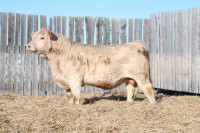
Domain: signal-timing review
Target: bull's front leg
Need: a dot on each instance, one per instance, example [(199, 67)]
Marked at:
[(75, 86)]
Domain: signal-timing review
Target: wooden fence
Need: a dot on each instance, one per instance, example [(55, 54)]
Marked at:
[(25, 73), (175, 50)]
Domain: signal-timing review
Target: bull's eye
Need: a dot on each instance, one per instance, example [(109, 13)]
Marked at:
[(41, 38)]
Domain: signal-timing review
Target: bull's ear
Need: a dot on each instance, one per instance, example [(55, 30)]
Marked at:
[(32, 34), (50, 34)]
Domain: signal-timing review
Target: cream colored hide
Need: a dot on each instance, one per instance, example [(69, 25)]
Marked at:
[(74, 65)]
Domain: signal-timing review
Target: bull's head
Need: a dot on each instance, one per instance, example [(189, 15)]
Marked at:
[(41, 43)]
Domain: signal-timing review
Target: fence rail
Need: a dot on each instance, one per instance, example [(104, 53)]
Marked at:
[(25, 73)]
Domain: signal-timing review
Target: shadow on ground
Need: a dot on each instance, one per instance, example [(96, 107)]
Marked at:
[(116, 98)]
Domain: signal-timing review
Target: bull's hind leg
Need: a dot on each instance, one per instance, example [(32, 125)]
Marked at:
[(146, 86), (131, 87)]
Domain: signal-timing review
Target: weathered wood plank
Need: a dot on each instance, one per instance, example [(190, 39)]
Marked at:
[(184, 49), (99, 33), (64, 21), (176, 52), (16, 50), (189, 49), (58, 24), (106, 31), (167, 51), (162, 31), (115, 31), (42, 62), (35, 61), (123, 36), (3, 52), (27, 89), (140, 29), (198, 19), (173, 63), (179, 50), (10, 56), (157, 52), (130, 30), (136, 29), (194, 52), (90, 28), (54, 24), (71, 28), (145, 30), (79, 34), (152, 49), (22, 53)]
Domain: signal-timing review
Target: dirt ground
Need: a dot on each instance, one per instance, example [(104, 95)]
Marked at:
[(99, 114)]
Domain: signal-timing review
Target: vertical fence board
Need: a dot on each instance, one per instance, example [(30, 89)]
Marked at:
[(115, 31), (176, 50), (54, 24), (198, 51), (167, 52), (158, 49), (130, 30), (27, 89), (189, 49), (162, 31), (155, 49), (184, 50), (123, 36), (59, 24), (194, 54), (145, 31), (179, 74), (169, 57), (173, 63), (79, 34), (64, 21), (152, 50), (140, 29), (42, 62), (99, 33), (71, 28), (35, 61), (90, 28), (10, 56), (16, 51), (106, 31), (22, 54), (3, 52), (136, 29)]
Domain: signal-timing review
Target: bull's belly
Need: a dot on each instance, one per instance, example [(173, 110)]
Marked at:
[(104, 83)]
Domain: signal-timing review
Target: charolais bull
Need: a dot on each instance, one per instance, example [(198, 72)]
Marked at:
[(75, 65)]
